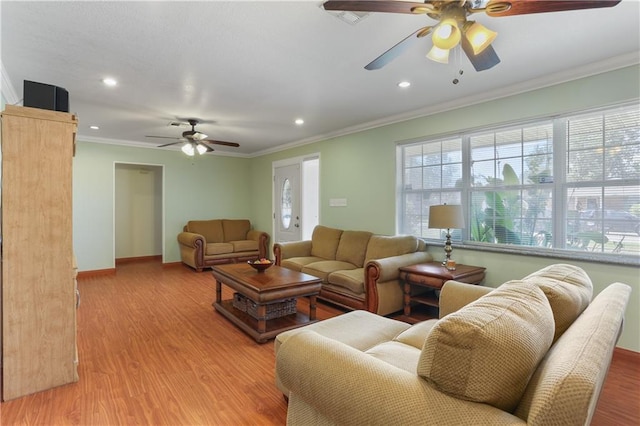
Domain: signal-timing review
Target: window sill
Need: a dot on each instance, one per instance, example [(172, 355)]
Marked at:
[(595, 257)]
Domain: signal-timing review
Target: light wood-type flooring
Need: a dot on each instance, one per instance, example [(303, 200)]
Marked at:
[(154, 352)]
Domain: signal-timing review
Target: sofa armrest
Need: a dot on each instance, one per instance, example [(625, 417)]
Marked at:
[(286, 250), (454, 295), (347, 386), (387, 268), (263, 241), (191, 239)]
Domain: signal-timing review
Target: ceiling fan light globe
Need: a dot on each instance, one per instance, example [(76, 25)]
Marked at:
[(447, 35), (439, 55), (444, 31), (188, 149), (479, 37), (201, 149), (200, 136)]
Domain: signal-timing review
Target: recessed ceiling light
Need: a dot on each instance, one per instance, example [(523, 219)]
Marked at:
[(94, 127), (404, 84), (109, 81), (299, 121)]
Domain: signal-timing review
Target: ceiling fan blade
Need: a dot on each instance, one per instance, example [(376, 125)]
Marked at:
[(167, 144), (397, 50), (161, 137), (484, 60), (390, 6), (522, 7), (236, 145)]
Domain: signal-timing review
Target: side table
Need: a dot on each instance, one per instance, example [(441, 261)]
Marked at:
[(432, 276)]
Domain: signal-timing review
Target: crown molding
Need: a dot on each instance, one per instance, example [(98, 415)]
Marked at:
[(137, 144), (565, 76), (7, 89), (587, 70)]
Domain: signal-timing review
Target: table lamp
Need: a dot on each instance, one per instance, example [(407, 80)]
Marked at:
[(447, 216)]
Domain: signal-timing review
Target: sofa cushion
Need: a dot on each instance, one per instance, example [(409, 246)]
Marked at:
[(353, 246), (297, 263), (211, 230), (381, 246), (417, 334), (323, 268), (359, 329), (218, 248), (244, 245), (324, 242), (235, 229), (568, 289), (352, 279), (487, 351), (397, 354)]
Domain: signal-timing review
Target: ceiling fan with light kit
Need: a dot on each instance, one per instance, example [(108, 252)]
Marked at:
[(194, 141), (453, 28)]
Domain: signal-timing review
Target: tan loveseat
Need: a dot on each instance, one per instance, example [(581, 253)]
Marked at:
[(359, 270), (204, 243), (533, 351)]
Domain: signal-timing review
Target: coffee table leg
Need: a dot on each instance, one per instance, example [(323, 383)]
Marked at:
[(218, 291), (407, 299), (312, 308), (262, 315)]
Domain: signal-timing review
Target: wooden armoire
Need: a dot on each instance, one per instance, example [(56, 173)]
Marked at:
[(38, 281)]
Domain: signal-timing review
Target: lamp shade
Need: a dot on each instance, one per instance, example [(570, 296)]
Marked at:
[(478, 36), (188, 149), (438, 55), (201, 149), (446, 216), (447, 34)]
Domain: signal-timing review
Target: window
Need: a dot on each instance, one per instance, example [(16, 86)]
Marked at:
[(570, 183)]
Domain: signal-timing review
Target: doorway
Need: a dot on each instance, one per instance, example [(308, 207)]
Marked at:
[(138, 212), (296, 194)]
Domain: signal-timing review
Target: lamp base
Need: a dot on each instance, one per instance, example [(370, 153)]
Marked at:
[(447, 262)]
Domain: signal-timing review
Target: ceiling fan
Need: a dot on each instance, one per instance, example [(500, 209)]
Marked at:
[(193, 140), (453, 28)]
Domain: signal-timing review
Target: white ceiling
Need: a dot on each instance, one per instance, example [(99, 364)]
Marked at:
[(251, 68)]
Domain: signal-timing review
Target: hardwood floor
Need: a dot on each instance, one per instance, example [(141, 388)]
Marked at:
[(153, 351)]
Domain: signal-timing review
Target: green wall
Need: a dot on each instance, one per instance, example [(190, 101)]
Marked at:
[(359, 167), (201, 188)]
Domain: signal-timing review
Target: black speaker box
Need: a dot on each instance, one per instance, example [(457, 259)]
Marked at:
[(45, 96)]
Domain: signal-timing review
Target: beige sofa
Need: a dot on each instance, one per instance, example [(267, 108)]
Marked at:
[(533, 351), (204, 243), (359, 270)]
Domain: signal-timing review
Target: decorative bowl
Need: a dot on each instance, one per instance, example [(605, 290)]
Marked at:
[(260, 267)]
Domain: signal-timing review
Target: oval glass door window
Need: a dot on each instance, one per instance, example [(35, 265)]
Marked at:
[(285, 207)]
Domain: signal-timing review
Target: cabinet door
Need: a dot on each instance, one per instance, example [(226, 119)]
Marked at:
[(38, 295)]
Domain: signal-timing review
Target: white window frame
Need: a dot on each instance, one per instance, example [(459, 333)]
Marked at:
[(559, 198)]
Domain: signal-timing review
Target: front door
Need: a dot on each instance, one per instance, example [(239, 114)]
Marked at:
[(286, 189)]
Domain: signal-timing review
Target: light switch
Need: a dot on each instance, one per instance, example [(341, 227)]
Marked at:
[(337, 202)]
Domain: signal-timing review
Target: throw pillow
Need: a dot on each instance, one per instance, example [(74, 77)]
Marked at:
[(487, 351), (569, 291)]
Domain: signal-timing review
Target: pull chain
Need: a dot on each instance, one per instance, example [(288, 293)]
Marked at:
[(457, 62)]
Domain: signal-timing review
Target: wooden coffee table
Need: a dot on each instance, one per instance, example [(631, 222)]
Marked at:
[(274, 285)]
